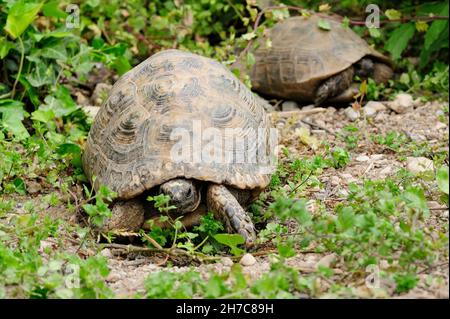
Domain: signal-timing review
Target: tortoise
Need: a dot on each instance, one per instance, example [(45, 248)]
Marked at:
[(171, 126), (307, 63)]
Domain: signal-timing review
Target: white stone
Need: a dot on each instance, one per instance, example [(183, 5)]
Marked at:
[(376, 157), (289, 106), (226, 261), (351, 114), (106, 253), (419, 164), (335, 180), (377, 106), (91, 110), (402, 103), (248, 260), (362, 158), (326, 261)]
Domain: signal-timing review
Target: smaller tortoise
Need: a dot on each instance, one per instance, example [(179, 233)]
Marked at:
[(152, 115), (306, 63)]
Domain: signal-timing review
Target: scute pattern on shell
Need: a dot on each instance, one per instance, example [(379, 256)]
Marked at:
[(129, 145), (302, 55)]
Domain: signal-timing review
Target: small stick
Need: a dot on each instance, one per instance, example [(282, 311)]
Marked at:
[(297, 113)]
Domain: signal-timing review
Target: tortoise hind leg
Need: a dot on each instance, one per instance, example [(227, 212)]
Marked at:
[(382, 73), (334, 85), (226, 207)]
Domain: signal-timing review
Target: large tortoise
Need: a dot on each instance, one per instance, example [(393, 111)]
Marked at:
[(182, 125), (307, 63)]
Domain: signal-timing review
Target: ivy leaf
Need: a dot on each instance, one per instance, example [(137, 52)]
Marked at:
[(61, 103), (375, 33), (20, 16), (5, 46), (41, 75), (398, 41), (250, 59), (12, 114), (346, 219), (442, 179), (324, 25), (51, 9), (55, 51), (232, 241)]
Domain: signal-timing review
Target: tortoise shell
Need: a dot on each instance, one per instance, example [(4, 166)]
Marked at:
[(134, 139), (302, 55)]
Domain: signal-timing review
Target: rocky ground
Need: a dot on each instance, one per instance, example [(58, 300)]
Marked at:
[(301, 130), (418, 120)]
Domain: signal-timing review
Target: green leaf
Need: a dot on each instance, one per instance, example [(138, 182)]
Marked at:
[(51, 9), (393, 14), (121, 65), (43, 116), (12, 114), (231, 240), (5, 46), (61, 103), (21, 14), (442, 179), (41, 75), (433, 33), (55, 51), (375, 33), (399, 39), (19, 185), (324, 25), (68, 148), (346, 219), (250, 59)]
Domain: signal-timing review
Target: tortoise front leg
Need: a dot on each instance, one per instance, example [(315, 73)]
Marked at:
[(126, 216), (226, 207), (333, 86)]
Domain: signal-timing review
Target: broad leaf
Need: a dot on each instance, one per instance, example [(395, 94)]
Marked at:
[(5, 46), (12, 115), (21, 14), (231, 240), (442, 179), (398, 41)]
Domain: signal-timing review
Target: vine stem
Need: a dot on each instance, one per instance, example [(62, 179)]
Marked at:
[(22, 57)]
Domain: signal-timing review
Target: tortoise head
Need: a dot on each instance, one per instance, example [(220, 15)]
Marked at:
[(364, 68), (184, 194)]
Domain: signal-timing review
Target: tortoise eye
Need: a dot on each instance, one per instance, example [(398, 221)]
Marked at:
[(189, 192)]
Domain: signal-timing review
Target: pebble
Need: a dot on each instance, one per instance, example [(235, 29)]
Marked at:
[(362, 158), (348, 178), (326, 261), (375, 105), (247, 260), (226, 261), (106, 252), (351, 114), (289, 106), (376, 157), (91, 110), (308, 107), (385, 172), (33, 187), (335, 180), (402, 103), (369, 111), (419, 164)]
